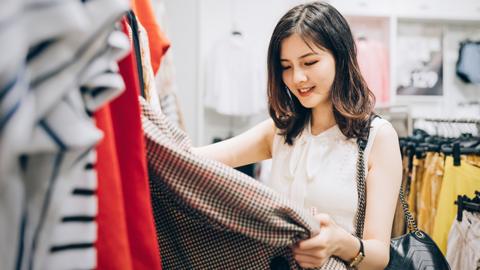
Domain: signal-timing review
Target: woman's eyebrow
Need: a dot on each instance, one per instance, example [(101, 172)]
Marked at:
[(303, 56)]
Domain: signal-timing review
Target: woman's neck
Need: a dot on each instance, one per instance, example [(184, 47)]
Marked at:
[(322, 118)]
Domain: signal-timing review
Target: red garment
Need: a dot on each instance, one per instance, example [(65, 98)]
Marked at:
[(140, 235), (113, 249), (372, 58), (157, 40)]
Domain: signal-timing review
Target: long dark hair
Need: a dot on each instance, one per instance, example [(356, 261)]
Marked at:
[(352, 100)]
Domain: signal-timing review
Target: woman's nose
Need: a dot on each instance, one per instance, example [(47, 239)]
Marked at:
[(299, 76)]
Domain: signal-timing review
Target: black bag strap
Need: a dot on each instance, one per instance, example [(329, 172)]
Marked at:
[(362, 192)]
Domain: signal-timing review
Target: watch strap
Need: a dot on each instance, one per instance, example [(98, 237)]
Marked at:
[(361, 254)]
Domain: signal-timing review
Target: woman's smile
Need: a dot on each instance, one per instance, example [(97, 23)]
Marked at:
[(306, 91)]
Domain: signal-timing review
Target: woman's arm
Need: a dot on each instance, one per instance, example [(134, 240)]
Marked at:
[(383, 185), (249, 147)]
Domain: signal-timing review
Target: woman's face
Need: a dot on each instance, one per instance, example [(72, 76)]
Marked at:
[(308, 72)]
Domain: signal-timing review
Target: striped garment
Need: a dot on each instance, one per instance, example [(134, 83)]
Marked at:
[(58, 66), (210, 216)]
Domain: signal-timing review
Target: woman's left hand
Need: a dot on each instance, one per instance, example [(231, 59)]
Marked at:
[(315, 252)]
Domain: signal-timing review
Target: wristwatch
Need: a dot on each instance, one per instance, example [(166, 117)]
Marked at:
[(359, 257)]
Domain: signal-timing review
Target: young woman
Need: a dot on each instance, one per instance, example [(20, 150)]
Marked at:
[(319, 105)]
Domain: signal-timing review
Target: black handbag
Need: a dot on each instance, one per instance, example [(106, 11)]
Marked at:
[(412, 251)]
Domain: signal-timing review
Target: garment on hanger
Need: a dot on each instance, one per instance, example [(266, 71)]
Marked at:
[(150, 92), (209, 216), (132, 29), (416, 184), (457, 180), (123, 191), (447, 167), (464, 242), (63, 70), (233, 78), (165, 78), (468, 63), (159, 43), (113, 248), (171, 106), (429, 191), (130, 149), (372, 58)]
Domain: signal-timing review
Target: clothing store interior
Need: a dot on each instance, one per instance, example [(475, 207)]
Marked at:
[(239, 134)]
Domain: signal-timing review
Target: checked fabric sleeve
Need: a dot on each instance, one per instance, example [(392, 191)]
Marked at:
[(210, 216)]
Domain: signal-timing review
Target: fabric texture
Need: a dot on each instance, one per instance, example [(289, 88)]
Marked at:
[(113, 248), (233, 83), (464, 242), (60, 67), (430, 190), (458, 180), (165, 78), (316, 165), (130, 149), (209, 216), (372, 59), (159, 43), (416, 185), (170, 106), (151, 93)]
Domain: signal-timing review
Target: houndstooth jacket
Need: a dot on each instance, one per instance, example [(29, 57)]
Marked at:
[(210, 216)]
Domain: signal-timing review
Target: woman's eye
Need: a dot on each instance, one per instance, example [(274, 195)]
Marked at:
[(285, 67), (311, 63)]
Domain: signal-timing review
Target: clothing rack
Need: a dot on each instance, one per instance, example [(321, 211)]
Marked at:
[(451, 120), (465, 203), (475, 121), (462, 143)]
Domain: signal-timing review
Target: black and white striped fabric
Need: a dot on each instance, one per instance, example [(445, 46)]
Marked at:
[(58, 65)]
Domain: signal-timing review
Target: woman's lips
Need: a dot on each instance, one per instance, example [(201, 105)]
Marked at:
[(305, 91)]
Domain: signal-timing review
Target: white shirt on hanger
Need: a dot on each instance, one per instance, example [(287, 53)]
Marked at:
[(233, 78)]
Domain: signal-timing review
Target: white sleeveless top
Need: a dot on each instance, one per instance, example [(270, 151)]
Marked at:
[(319, 171)]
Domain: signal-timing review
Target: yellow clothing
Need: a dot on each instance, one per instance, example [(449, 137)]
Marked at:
[(431, 184), (460, 180), (415, 185), (398, 227), (473, 160)]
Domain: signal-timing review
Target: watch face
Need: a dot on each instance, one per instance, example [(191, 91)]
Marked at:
[(357, 260), (359, 257)]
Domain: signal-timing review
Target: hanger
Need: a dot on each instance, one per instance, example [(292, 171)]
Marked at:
[(235, 31), (465, 203), (456, 150), (456, 154), (476, 199)]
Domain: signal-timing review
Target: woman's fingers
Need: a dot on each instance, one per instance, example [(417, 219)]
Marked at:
[(309, 262), (313, 253), (318, 241)]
